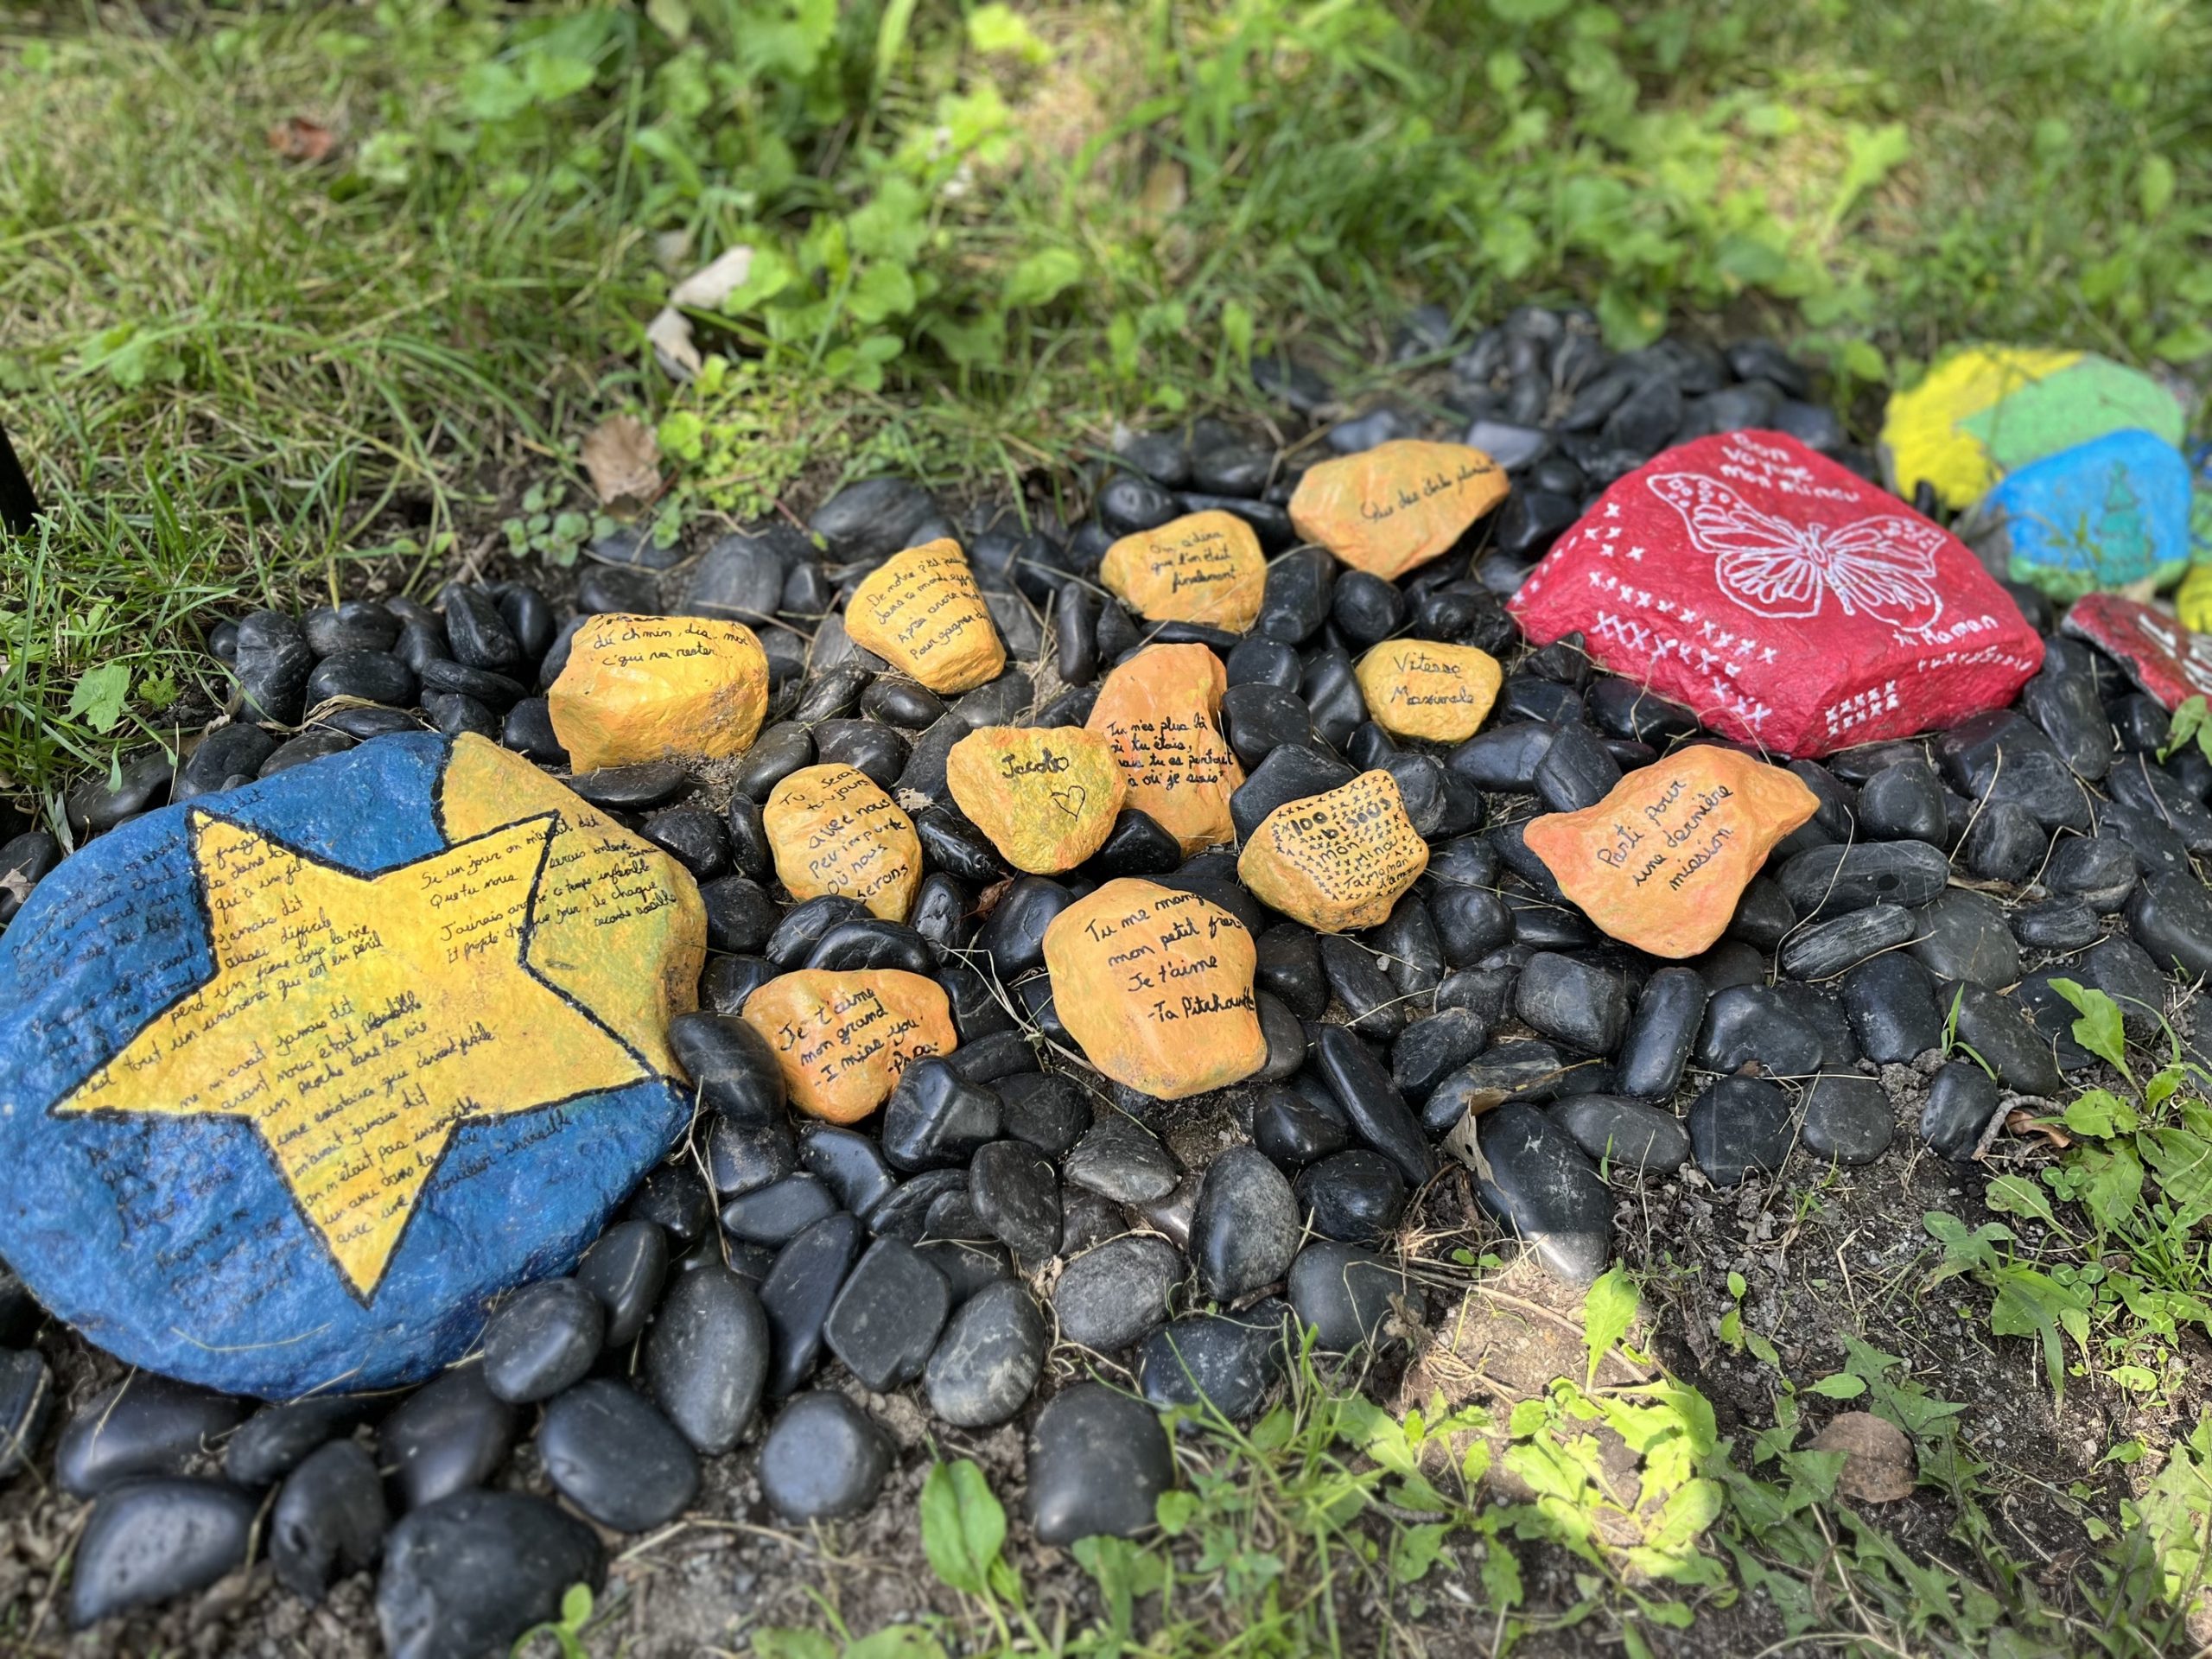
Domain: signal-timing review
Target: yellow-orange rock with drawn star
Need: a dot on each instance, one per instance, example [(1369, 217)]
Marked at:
[(1205, 567), (1156, 986), (1661, 862), (1161, 711), (833, 829), (1396, 505), (1046, 795), (651, 687), (1337, 860), (843, 1038), (921, 611), (1417, 687)]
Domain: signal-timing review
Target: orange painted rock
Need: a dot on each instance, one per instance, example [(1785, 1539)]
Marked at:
[(1156, 985), (1205, 567), (1396, 505), (843, 1038), (1161, 710), (647, 688), (1414, 688), (833, 830), (1662, 860), (1046, 797), (1338, 861), (921, 611)]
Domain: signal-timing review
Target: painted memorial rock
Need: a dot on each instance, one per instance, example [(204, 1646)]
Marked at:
[(2166, 658), (646, 688), (1785, 600), (1984, 411), (1156, 985), (921, 611), (2193, 599), (1046, 795), (292, 1086), (1417, 687), (833, 829), (1161, 711), (1662, 860), (1388, 508), (2109, 514), (1337, 861), (1205, 567), (843, 1038)]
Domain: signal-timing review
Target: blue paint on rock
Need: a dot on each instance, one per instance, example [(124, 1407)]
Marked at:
[(2098, 516)]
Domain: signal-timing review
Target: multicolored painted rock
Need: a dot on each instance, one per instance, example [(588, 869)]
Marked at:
[(293, 1084), (649, 688), (1205, 567), (2168, 660), (2105, 515), (921, 611), (1156, 986), (833, 829), (2193, 599), (1417, 687), (1785, 600), (1161, 711), (1337, 861), (1661, 862), (1046, 796), (843, 1038), (1986, 410), (1396, 505)]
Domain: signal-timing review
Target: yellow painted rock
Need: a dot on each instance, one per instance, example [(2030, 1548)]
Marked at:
[(647, 688), (1396, 505), (1156, 986), (1161, 710), (843, 1038), (1662, 860), (1205, 567), (834, 831), (1338, 861), (921, 611), (1414, 688), (2193, 599), (1046, 797)]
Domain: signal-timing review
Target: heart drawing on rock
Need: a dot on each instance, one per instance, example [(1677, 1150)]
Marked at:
[(1070, 799)]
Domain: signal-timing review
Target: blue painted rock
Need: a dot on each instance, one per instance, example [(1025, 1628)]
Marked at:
[(2099, 517), (295, 1080)]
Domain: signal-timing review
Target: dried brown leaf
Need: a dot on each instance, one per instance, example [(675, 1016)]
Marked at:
[(623, 458), (1878, 1464), (298, 139), (2020, 1121)]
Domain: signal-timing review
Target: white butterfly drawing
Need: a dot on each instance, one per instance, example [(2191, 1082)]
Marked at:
[(1883, 567)]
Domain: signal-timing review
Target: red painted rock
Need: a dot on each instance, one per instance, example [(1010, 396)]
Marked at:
[(1786, 600), (2166, 659)]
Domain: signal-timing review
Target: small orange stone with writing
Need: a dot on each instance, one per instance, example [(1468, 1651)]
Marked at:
[(1046, 795), (1337, 861), (921, 611), (1161, 710), (1396, 505), (843, 1038), (648, 688), (833, 829), (1205, 567)]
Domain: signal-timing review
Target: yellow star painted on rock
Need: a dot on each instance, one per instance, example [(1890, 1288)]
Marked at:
[(358, 1021)]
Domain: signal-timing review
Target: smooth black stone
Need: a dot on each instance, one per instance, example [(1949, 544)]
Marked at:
[(726, 982), (25, 860), (1120, 1160), (145, 1425), (1333, 695), (1830, 948), (1661, 1035), (478, 634), (1367, 609), (1505, 758), (1231, 468), (2056, 924), (1137, 845), (1257, 661), (806, 924), (1576, 1003), (272, 1442), (1998, 1028), (902, 702), (1014, 935), (745, 1158), (1377, 1112), (824, 1459), (1624, 1134), (632, 789), (2098, 871), (1567, 660), (27, 1402), (528, 730), (1343, 1294), (797, 1293), (935, 1119), (149, 1540), (1621, 708), (1160, 457), (371, 676), (617, 1458), (977, 1011), (610, 591), (969, 1266), (990, 1059), (1517, 1070), (272, 660), (1245, 1228), (454, 714), (707, 1357), (1127, 502), (1539, 1183), (1576, 772), (867, 942), (1848, 1119), (2004, 842), (2054, 1018), (1839, 1050), (1904, 801), (1003, 702), (876, 751), (1527, 696), (887, 1318), (731, 1067), (448, 1436), (1261, 719), (1098, 1462), (1740, 1126), (2063, 700), (1961, 1101), (363, 723), (1831, 880), (675, 1197), (468, 1575), (1429, 1051), (1890, 1003), (541, 1339), (941, 915), (952, 844), (2001, 757), (1461, 613), (779, 1209), (1357, 1197), (1075, 635), (2126, 973), (494, 691), (692, 835), (849, 1163), (1744, 1023), (1355, 977), (226, 753), (1049, 1113), (1290, 969), (1289, 773), (1015, 1194), (625, 1270), (872, 518), (1296, 1130), (740, 578), (1226, 1362), (1471, 922), (1112, 1294), (329, 1520), (528, 617), (1964, 935), (781, 750), (987, 1363), (1730, 962), (1530, 521), (1269, 522), (1412, 955), (2157, 794), (2141, 722)]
